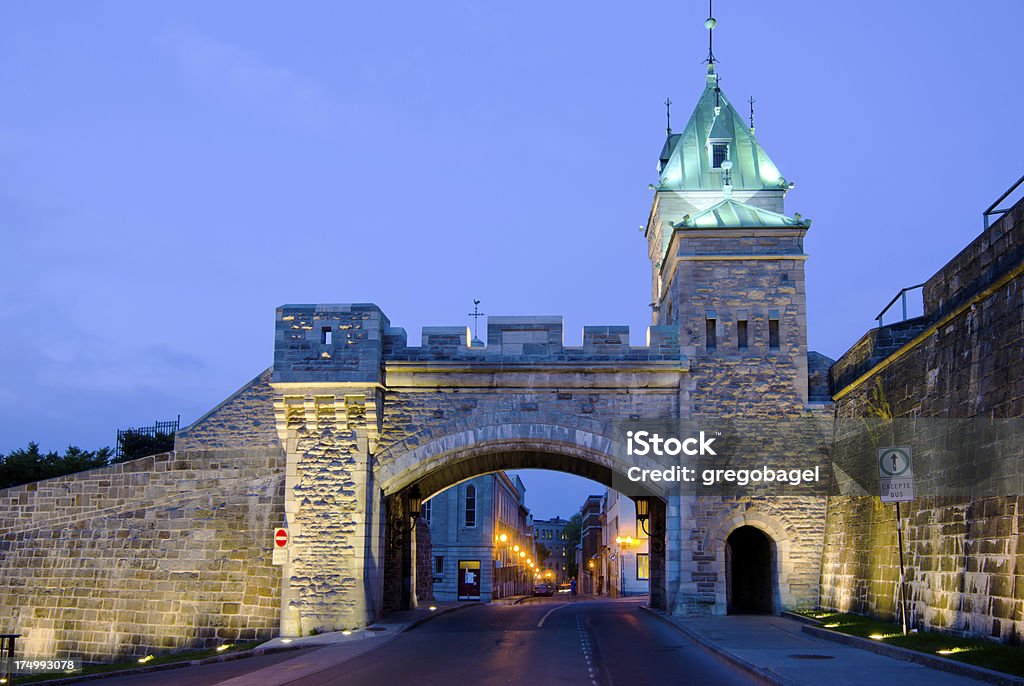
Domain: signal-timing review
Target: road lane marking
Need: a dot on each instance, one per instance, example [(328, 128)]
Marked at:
[(548, 614)]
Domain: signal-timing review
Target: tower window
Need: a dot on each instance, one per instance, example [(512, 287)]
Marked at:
[(773, 334), (719, 154), (712, 333), (326, 336), (470, 505), (741, 334)]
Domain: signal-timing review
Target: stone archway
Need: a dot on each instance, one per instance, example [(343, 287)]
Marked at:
[(749, 573), (499, 443), (775, 534)]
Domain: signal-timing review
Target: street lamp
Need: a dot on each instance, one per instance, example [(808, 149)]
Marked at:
[(643, 513), (503, 538)]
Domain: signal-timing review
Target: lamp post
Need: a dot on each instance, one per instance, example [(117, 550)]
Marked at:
[(624, 544)]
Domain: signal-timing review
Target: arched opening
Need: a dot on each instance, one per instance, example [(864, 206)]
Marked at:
[(749, 572), (495, 560)]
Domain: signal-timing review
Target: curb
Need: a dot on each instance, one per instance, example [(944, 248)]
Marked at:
[(933, 661), (241, 655), (764, 675), (136, 671)]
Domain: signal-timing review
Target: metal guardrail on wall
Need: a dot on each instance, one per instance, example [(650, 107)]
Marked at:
[(902, 298), (992, 208)]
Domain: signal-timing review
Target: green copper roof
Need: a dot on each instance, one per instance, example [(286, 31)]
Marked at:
[(685, 162), (730, 214)]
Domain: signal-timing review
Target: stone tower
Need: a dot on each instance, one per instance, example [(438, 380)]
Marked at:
[(728, 271), (728, 264)]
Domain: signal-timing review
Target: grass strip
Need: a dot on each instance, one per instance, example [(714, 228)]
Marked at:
[(981, 652)]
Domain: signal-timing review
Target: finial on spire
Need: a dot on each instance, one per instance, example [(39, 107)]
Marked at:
[(710, 23), (752, 101), (668, 116), (476, 314)]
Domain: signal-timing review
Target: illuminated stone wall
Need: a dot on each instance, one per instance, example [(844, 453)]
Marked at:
[(159, 553), (964, 559)]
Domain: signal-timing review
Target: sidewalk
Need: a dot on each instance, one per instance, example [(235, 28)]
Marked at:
[(779, 652), (339, 647), (329, 650)]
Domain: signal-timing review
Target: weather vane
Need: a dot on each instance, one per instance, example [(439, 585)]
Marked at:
[(710, 25), (668, 116), (476, 314), (752, 101)]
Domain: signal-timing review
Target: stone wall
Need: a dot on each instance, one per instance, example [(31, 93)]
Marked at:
[(962, 359), (164, 552)]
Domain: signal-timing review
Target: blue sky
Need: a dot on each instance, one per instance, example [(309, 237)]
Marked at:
[(172, 171)]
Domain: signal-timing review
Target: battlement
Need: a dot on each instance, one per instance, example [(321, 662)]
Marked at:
[(531, 339), (352, 342)]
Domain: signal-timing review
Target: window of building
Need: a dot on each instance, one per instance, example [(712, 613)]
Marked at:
[(741, 334), (326, 336), (643, 566), (773, 334), (719, 154), (712, 332), (470, 505), (439, 565), (425, 511)]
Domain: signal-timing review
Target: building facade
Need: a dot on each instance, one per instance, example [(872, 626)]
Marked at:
[(551, 534), (591, 545), (627, 557), (482, 543)]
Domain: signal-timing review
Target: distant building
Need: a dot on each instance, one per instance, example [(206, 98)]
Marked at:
[(591, 541), (627, 560), (482, 539), (551, 534)]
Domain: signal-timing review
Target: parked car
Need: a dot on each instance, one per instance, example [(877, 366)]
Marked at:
[(544, 589)]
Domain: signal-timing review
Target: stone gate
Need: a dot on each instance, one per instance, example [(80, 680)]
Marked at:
[(174, 550)]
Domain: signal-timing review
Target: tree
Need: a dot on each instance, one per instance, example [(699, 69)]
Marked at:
[(573, 531), (543, 553), (135, 444), (29, 464)]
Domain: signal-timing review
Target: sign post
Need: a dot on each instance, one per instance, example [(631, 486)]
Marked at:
[(896, 482)]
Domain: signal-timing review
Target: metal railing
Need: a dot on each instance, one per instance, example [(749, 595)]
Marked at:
[(992, 208), (168, 427), (902, 298)]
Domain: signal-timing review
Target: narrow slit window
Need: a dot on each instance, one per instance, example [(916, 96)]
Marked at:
[(773, 334), (326, 336), (712, 333), (470, 505), (439, 565), (741, 334)]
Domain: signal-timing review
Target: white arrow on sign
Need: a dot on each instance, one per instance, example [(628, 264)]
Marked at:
[(896, 474)]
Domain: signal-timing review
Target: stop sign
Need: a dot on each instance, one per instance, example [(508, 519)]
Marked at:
[(280, 538)]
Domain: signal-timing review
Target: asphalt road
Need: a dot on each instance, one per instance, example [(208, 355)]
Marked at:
[(539, 642), (536, 643)]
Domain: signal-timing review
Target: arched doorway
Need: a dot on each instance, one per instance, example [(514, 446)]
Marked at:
[(749, 572), (434, 473)]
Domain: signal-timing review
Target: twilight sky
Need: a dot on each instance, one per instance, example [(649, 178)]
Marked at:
[(172, 171)]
